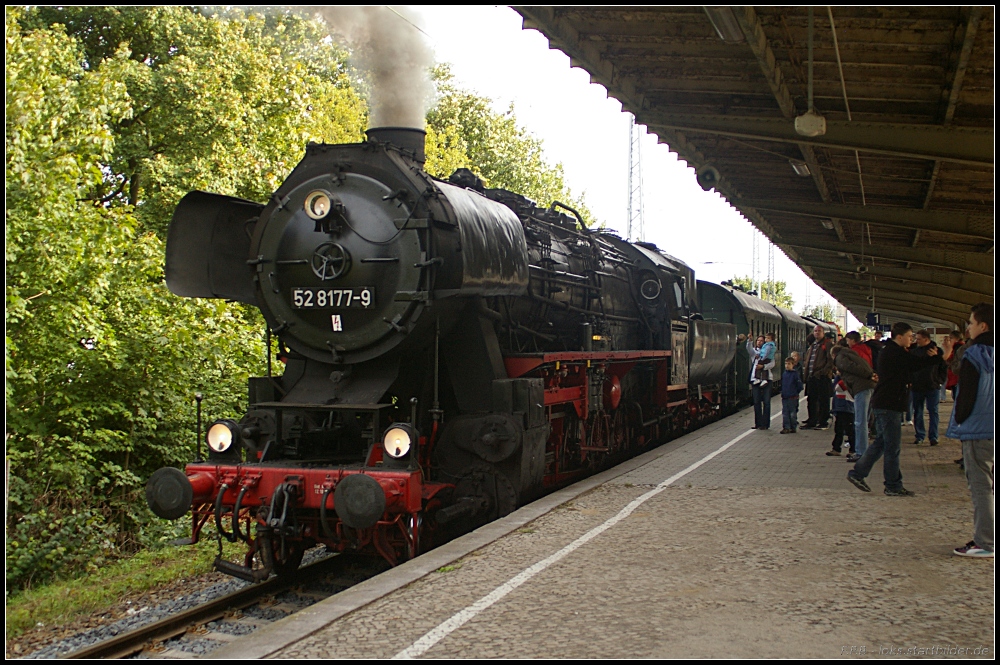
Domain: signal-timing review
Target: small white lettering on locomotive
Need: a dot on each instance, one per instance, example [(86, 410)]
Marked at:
[(338, 325)]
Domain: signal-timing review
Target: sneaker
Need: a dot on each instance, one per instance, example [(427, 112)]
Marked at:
[(807, 426), (833, 453), (785, 431), (902, 491), (822, 427), (852, 457), (973, 550), (858, 481), (917, 442), (934, 443)]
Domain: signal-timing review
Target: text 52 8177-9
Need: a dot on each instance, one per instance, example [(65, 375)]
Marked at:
[(319, 298)]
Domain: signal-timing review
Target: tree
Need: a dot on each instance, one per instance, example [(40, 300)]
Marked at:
[(823, 311), (107, 127), (773, 292), (220, 104), (464, 131), (869, 333)]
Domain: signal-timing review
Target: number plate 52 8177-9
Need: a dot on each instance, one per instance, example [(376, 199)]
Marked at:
[(317, 298)]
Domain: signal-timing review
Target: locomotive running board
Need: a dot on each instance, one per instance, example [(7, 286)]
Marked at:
[(519, 364)]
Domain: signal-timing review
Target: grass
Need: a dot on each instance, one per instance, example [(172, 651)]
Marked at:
[(449, 568), (61, 602)]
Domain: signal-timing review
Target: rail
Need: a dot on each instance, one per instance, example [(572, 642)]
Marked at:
[(134, 641)]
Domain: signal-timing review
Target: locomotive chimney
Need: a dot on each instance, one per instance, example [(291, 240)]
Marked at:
[(407, 138)]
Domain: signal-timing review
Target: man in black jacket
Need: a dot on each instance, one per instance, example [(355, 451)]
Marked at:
[(895, 366), (926, 389)]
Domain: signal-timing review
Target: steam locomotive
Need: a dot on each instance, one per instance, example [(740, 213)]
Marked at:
[(450, 353)]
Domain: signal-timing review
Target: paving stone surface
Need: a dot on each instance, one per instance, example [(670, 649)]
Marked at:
[(764, 551)]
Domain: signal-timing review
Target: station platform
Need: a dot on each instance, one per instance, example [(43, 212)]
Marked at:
[(725, 543)]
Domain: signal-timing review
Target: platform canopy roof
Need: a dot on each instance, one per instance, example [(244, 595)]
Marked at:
[(893, 204)]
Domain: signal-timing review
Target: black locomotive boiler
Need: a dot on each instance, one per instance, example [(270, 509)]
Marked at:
[(450, 352)]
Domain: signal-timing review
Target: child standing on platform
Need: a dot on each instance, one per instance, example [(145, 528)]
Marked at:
[(791, 386), (843, 412), (794, 355)]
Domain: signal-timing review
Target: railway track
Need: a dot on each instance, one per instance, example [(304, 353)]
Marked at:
[(134, 641)]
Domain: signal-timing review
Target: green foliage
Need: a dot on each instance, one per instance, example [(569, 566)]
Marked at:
[(774, 292), (823, 311), (220, 105), (464, 131), (101, 360)]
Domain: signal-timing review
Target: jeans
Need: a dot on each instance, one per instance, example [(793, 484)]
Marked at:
[(861, 403), (790, 413), (818, 401), (931, 398), (761, 404), (979, 471), (888, 434)]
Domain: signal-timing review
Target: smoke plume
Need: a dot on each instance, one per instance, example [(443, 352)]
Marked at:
[(393, 52)]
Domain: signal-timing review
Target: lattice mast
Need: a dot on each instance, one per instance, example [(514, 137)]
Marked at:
[(634, 215), (770, 270), (755, 262)]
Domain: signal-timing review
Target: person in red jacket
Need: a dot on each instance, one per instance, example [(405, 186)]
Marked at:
[(953, 351), (854, 343)]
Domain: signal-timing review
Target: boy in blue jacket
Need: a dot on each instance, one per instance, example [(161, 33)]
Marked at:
[(791, 386)]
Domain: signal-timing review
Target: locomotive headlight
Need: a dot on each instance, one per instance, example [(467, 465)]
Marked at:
[(398, 440), (221, 435), (318, 204)]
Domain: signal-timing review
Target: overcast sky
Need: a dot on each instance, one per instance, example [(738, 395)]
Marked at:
[(589, 134)]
